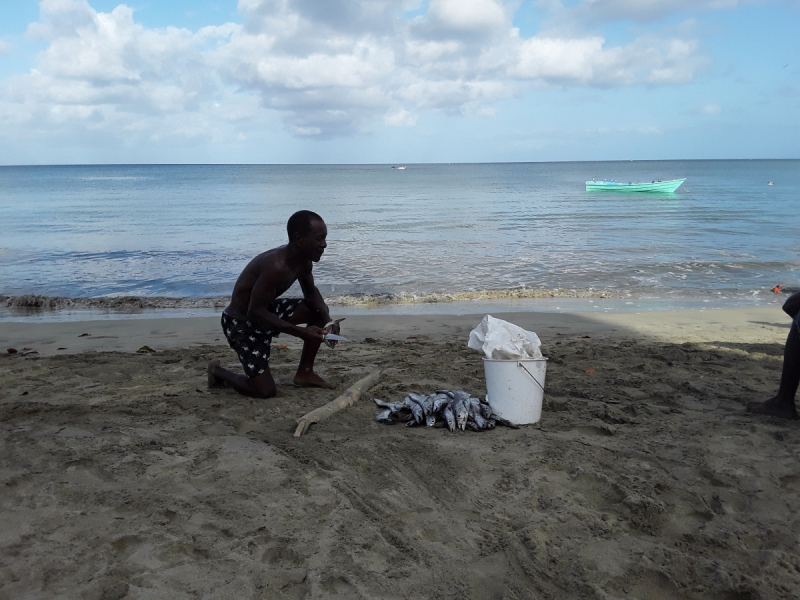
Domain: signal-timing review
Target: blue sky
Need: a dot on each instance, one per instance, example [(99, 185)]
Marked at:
[(397, 81)]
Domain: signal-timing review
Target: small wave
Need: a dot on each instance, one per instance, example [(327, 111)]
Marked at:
[(504, 294)]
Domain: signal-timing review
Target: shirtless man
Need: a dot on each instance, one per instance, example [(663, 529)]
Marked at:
[(256, 314), (782, 405)]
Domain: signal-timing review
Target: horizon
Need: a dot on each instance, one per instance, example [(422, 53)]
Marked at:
[(306, 82), (390, 164)]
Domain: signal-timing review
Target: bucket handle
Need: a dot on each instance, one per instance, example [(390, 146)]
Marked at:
[(519, 364)]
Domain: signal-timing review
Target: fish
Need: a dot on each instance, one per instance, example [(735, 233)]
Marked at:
[(440, 399), (454, 409), (486, 411), (460, 395), (475, 413), (418, 398), (461, 412), (393, 406), (385, 417), (416, 409), (449, 417)]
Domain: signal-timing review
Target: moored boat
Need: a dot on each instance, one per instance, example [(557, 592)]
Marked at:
[(619, 186)]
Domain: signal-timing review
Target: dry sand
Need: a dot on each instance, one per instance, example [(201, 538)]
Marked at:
[(123, 476)]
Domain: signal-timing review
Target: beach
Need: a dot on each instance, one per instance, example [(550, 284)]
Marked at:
[(124, 476)]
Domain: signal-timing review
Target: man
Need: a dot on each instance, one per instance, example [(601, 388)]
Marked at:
[(256, 314), (782, 405)]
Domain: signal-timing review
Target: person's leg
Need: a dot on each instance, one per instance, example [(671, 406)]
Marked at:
[(305, 375), (260, 386), (253, 348), (782, 405)]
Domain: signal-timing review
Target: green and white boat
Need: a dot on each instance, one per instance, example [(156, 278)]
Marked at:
[(619, 186)]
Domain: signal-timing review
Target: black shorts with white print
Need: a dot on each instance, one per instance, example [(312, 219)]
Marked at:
[(251, 340)]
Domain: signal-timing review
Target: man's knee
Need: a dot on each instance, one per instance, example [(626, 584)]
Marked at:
[(304, 314)]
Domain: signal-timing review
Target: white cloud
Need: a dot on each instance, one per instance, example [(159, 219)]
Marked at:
[(473, 16), (400, 118), (5, 48), (327, 68), (711, 109)]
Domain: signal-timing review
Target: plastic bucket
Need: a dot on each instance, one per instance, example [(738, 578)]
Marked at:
[(515, 388)]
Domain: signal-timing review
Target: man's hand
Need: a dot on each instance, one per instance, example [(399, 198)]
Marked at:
[(312, 333)]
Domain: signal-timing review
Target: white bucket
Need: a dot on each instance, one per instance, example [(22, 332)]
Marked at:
[(515, 388)]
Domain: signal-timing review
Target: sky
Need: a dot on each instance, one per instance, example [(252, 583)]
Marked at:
[(397, 81)]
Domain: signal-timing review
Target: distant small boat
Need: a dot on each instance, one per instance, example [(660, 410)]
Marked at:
[(399, 168), (618, 186), (770, 183)]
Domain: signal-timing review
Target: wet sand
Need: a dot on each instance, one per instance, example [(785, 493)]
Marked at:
[(123, 476)]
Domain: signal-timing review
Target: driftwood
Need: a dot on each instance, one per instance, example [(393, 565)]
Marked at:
[(349, 397)]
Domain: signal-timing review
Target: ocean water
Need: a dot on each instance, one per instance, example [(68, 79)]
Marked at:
[(459, 232)]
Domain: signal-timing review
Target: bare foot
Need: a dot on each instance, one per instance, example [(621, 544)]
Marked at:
[(212, 380), (774, 408), (311, 379)]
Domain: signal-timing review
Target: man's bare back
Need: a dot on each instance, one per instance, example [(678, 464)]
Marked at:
[(272, 265), (256, 312)]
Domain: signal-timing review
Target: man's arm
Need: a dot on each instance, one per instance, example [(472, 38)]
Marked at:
[(312, 296), (262, 294)]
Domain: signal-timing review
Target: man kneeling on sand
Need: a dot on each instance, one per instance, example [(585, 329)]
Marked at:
[(782, 405), (256, 314)]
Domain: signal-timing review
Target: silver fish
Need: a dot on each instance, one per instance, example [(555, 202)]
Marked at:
[(486, 411), (476, 414), (393, 406), (461, 412), (450, 417), (460, 395), (440, 399), (427, 405), (416, 409), (385, 417)]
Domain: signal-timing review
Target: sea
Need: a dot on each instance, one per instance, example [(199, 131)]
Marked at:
[(97, 241)]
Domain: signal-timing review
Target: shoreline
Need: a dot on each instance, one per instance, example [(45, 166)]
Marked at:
[(192, 308), (763, 324), (34, 308)]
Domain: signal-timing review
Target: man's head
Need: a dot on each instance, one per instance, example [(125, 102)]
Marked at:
[(307, 231)]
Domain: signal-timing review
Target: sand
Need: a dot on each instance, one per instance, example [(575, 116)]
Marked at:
[(123, 476)]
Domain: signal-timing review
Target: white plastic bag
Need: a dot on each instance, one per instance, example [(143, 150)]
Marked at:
[(502, 340)]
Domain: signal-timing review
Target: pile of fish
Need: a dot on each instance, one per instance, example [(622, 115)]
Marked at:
[(453, 409)]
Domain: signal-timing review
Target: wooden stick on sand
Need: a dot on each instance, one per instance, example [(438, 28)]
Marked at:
[(350, 396)]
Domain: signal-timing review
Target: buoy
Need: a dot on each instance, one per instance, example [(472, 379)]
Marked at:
[(776, 289)]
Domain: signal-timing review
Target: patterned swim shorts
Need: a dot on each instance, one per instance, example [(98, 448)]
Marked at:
[(251, 340)]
